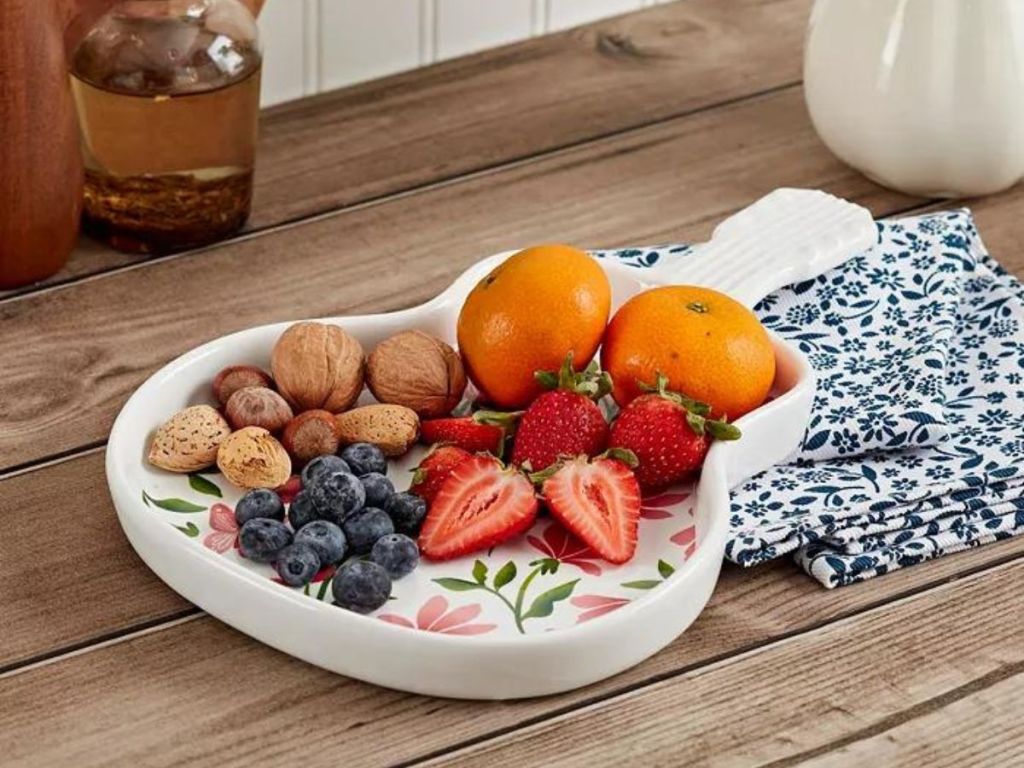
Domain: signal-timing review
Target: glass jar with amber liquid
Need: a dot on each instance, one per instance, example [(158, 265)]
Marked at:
[(167, 95)]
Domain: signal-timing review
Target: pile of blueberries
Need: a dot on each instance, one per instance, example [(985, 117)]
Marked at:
[(347, 508)]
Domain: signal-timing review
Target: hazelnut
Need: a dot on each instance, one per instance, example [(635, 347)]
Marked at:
[(252, 458), (258, 407), (310, 434), (189, 440), (417, 370), (392, 428), (236, 377), (318, 366)]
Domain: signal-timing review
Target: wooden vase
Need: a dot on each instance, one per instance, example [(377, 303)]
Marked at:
[(40, 160)]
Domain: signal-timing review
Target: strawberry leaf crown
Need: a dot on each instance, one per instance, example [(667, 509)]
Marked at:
[(591, 382), (696, 411)]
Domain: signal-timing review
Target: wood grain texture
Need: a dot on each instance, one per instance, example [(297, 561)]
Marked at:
[(672, 180), (343, 148), (982, 729), (68, 544), (201, 689), (795, 696)]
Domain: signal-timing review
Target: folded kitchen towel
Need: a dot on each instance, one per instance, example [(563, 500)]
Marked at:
[(917, 431)]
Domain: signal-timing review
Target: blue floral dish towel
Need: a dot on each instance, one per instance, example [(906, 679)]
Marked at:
[(916, 436)]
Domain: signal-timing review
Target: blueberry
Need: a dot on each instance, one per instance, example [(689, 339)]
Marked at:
[(365, 458), (262, 538), (336, 495), (397, 554), (259, 503), (361, 586), (407, 511), (364, 528), (301, 511), (297, 564), (321, 465), (324, 537), (378, 489)]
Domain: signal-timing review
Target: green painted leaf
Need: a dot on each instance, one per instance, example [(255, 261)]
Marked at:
[(641, 584), (544, 603), (191, 530), (172, 505), (665, 569), (505, 574), (305, 590), (457, 585), (323, 588), (480, 571), (200, 484)]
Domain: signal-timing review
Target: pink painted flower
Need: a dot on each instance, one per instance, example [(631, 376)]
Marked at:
[(596, 605), (224, 535), (686, 538), (654, 508), (434, 616), (558, 544)]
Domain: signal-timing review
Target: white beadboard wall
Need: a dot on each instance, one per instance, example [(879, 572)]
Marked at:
[(317, 45)]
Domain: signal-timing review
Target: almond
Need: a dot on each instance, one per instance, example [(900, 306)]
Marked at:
[(189, 440), (310, 434), (258, 407), (318, 366), (417, 370), (252, 458), (392, 428)]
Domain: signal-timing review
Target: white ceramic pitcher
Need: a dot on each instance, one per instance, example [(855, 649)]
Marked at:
[(926, 96)]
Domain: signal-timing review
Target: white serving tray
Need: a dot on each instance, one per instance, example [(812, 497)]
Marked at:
[(565, 618)]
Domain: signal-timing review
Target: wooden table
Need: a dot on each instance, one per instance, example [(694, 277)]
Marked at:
[(646, 128)]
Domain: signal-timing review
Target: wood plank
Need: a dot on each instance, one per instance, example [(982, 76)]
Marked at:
[(672, 180), (418, 128), (77, 578), (202, 689), (982, 729), (793, 696)]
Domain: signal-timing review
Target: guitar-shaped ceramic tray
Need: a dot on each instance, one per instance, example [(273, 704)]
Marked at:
[(535, 616)]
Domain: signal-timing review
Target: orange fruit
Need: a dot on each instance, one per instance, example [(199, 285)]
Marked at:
[(529, 313), (710, 347)]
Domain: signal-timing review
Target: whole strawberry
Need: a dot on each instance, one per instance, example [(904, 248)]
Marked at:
[(430, 475), (669, 433), (564, 422), (481, 431)]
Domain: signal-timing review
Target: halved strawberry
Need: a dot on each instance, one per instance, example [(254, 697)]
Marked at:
[(480, 504), (483, 431), (434, 470), (598, 501)]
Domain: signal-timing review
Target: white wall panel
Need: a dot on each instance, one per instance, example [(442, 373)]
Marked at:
[(316, 45), (364, 39), (466, 26), (282, 32), (570, 13)]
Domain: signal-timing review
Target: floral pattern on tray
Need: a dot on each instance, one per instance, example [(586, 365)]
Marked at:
[(546, 580)]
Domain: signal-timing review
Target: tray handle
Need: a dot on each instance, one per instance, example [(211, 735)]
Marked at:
[(787, 236)]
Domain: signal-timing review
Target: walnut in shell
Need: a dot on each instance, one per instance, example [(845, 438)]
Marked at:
[(189, 440), (417, 370), (318, 366), (252, 458), (392, 428)]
